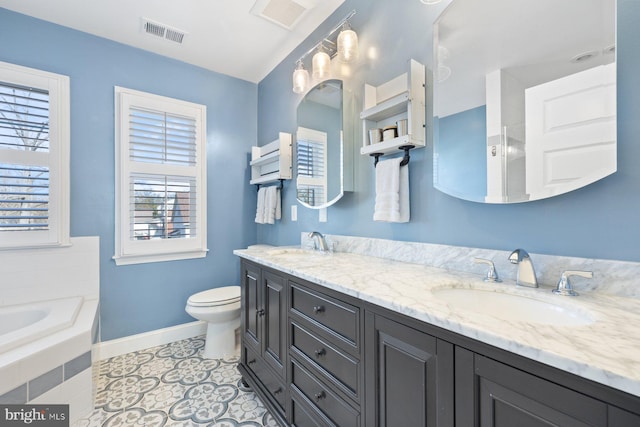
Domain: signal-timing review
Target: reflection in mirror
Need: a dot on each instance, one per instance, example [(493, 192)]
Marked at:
[(320, 146), (524, 98)]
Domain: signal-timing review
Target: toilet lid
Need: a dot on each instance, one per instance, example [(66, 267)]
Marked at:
[(214, 297)]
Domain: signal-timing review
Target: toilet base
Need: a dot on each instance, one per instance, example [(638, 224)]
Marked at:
[(220, 341)]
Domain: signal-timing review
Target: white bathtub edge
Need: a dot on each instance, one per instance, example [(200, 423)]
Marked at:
[(22, 364)]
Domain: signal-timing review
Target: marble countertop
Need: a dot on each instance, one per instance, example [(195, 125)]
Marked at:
[(605, 351)]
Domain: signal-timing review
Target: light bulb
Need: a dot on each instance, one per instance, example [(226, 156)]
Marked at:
[(300, 78), (347, 44), (321, 64)]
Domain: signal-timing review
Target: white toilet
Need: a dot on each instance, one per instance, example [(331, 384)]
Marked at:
[(220, 308)]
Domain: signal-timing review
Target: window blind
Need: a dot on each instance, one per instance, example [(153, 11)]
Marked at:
[(311, 159), (24, 148), (159, 137)]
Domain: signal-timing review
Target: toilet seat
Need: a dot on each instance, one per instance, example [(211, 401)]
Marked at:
[(215, 297)]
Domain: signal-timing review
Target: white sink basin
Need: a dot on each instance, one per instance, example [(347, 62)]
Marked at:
[(513, 307), (292, 251)]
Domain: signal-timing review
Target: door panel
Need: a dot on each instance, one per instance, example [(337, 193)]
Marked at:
[(275, 343), (251, 302)]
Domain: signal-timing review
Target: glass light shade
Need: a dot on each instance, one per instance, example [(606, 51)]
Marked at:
[(321, 65), (430, 1), (300, 78), (347, 45)]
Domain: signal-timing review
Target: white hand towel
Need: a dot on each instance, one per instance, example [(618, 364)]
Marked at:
[(392, 192), (270, 202), (278, 204), (260, 217)]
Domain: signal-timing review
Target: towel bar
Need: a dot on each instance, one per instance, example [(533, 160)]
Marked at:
[(281, 186), (405, 159)]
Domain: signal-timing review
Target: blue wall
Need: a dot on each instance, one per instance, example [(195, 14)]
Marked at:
[(461, 143), (144, 297), (599, 221)]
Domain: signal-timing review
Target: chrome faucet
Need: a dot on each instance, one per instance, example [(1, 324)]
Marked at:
[(526, 274), (319, 242)]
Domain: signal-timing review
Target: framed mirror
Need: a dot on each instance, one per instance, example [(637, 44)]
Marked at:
[(524, 98), (320, 146)]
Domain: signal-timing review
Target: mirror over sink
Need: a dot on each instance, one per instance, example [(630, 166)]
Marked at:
[(320, 146), (524, 98)]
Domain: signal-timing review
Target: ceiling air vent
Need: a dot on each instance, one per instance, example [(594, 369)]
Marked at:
[(286, 13), (161, 30)]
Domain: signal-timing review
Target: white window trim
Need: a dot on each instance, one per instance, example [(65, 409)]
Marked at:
[(128, 251), (58, 158)]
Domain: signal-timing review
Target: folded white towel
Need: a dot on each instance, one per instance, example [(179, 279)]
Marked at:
[(270, 202), (278, 204), (260, 217), (392, 192)]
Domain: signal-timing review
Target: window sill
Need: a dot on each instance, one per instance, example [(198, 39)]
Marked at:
[(148, 258)]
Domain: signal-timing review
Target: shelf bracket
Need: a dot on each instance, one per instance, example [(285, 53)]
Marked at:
[(405, 159)]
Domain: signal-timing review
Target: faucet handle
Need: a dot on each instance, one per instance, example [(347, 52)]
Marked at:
[(492, 274), (564, 284)]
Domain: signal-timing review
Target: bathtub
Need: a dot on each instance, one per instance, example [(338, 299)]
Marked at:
[(21, 324), (46, 353)]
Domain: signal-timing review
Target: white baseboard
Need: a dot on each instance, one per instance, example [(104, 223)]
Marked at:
[(117, 347)]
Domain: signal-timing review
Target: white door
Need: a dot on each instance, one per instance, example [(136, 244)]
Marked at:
[(570, 131)]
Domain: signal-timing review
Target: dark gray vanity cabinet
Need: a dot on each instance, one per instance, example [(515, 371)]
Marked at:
[(264, 339), (409, 375), (317, 357)]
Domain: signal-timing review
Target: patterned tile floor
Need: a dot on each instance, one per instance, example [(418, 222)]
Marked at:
[(173, 385)]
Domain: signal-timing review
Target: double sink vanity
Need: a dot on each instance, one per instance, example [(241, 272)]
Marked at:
[(390, 333)]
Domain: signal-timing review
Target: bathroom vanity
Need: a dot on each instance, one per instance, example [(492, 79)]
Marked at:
[(352, 340)]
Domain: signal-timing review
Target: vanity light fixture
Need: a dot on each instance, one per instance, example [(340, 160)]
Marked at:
[(300, 78), (430, 1), (321, 64), (340, 37)]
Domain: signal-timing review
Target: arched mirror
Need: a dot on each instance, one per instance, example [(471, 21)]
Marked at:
[(524, 98), (320, 146)]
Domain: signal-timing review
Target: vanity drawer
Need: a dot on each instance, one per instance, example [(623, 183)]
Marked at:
[(321, 398), (266, 377), (338, 317), (340, 367), (304, 416)]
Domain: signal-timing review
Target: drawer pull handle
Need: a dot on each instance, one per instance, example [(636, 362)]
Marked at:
[(260, 312), (317, 309), (320, 396), (251, 362), (320, 352), (278, 390)]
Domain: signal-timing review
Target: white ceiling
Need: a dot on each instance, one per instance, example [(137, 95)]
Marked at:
[(534, 41), (221, 35)]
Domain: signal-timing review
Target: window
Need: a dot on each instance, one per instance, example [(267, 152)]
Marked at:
[(311, 182), (34, 157), (160, 178)]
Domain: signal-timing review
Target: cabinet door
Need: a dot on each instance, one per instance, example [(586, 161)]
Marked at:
[(251, 304), (489, 393), (275, 326), (402, 373), (621, 418)]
